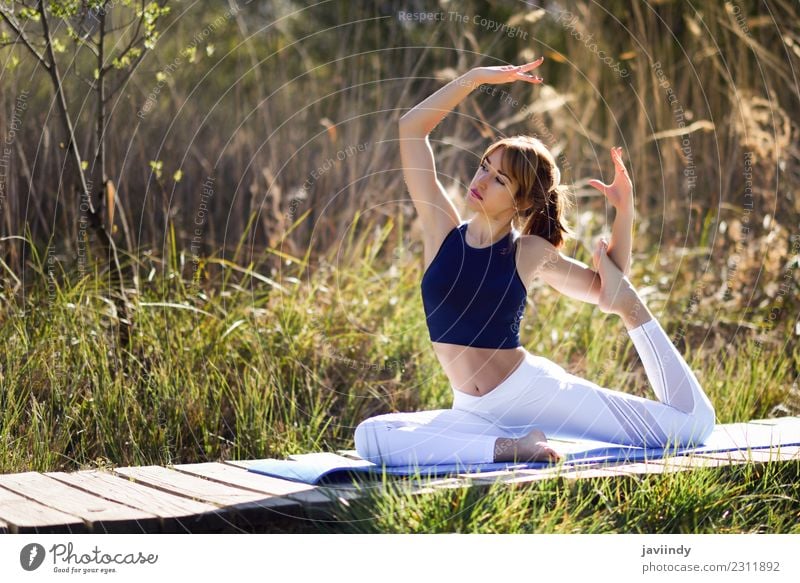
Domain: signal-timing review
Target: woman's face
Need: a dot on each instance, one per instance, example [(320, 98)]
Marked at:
[(496, 189)]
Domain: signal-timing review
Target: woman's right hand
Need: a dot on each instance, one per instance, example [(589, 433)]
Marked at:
[(507, 73)]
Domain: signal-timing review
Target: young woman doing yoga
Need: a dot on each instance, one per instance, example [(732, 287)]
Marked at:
[(474, 291)]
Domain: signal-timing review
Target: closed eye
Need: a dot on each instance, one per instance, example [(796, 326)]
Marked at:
[(496, 177)]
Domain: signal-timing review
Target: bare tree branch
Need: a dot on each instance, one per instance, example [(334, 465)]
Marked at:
[(89, 82), (124, 77), (21, 34), (13, 42), (61, 100), (133, 40)]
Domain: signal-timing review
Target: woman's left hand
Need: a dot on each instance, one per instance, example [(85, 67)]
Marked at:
[(620, 192)]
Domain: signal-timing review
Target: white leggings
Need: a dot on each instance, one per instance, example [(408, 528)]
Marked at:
[(541, 394)]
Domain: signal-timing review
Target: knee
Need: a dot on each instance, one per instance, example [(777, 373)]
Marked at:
[(699, 425), (707, 419), (366, 439)]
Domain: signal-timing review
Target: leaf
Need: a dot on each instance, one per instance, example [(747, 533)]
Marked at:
[(58, 46), (156, 166)]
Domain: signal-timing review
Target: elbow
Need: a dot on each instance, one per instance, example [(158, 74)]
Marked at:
[(408, 127)]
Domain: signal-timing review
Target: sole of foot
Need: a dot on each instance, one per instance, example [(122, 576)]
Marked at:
[(533, 447)]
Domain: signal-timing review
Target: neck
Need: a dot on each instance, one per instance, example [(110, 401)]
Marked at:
[(486, 231)]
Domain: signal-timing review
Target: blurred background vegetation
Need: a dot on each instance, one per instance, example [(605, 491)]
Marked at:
[(272, 247)]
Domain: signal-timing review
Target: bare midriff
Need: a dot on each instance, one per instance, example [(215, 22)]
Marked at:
[(477, 371)]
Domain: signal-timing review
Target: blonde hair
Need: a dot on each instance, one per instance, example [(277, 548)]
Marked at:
[(541, 198)]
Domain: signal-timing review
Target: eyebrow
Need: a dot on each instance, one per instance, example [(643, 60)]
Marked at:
[(486, 160)]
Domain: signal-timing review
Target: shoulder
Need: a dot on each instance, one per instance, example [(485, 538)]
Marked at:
[(534, 253)]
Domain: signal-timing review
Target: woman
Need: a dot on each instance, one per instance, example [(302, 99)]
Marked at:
[(474, 289)]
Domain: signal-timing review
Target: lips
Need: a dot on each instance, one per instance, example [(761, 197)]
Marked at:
[(475, 194)]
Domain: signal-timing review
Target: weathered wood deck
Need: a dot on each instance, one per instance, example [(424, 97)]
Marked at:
[(225, 497)]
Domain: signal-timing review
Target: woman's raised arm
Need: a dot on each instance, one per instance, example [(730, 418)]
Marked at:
[(425, 116), (419, 167)]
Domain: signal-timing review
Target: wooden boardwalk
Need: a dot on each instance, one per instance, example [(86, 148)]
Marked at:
[(225, 497)]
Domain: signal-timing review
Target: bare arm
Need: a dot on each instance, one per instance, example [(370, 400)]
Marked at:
[(419, 167), (425, 116), (619, 247), (566, 275), (620, 195)]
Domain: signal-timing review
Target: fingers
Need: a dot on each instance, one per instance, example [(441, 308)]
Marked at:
[(530, 78), (532, 65), (599, 185), (596, 255), (600, 249), (616, 156), (527, 67)]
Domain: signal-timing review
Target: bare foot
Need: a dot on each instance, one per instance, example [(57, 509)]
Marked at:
[(617, 294), (532, 447)]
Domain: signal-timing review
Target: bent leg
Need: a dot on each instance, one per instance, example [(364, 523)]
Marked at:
[(580, 408), (427, 437), (672, 380), (565, 405)]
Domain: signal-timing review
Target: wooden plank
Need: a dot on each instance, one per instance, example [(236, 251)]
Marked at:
[(432, 485), (289, 487), (23, 515), (99, 514), (510, 476), (488, 476), (245, 508), (176, 514), (670, 464), (581, 474), (693, 461), (316, 501), (527, 476), (776, 421), (756, 455), (576, 472), (239, 476), (791, 452), (643, 468), (196, 488)]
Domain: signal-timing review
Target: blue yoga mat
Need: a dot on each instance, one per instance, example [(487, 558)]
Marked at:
[(316, 468)]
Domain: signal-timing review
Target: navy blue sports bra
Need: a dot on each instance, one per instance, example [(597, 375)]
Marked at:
[(474, 296)]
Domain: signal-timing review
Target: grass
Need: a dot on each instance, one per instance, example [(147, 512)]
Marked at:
[(246, 362), (734, 499)]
